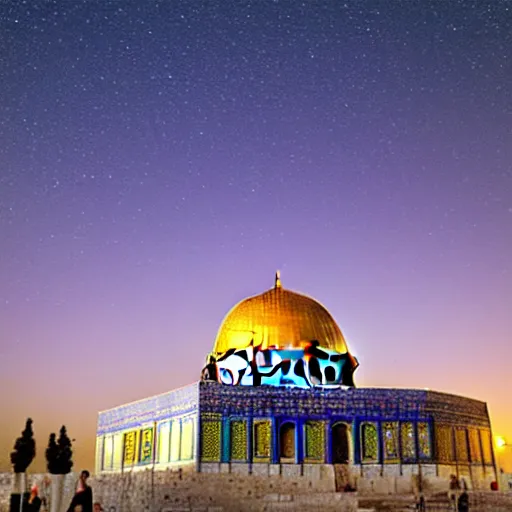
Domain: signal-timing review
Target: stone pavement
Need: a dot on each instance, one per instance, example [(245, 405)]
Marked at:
[(479, 501)]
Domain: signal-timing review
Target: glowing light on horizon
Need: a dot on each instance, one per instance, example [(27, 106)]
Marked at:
[(500, 442)]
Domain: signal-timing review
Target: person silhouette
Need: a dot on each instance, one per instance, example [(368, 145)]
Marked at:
[(83, 495)]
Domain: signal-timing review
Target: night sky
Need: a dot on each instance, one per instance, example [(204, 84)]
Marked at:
[(159, 160)]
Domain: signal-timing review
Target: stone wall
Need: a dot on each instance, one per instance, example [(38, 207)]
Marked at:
[(368, 479), (506, 481), (225, 487), (213, 490), (392, 479), (169, 491), (258, 480)]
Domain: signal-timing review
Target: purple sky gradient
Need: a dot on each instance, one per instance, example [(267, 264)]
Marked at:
[(160, 160)]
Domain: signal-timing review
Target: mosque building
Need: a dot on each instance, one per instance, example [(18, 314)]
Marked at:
[(277, 397)]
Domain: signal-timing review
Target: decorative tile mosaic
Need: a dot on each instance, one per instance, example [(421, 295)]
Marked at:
[(407, 441), (210, 441), (485, 437), (444, 444), (383, 404), (156, 408), (474, 446), (146, 446), (424, 440), (453, 409), (262, 439), (461, 445), (390, 440), (369, 442), (130, 448), (238, 430), (314, 435), (423, 410)]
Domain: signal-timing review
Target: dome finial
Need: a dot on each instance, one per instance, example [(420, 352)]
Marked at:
[(278, 279)]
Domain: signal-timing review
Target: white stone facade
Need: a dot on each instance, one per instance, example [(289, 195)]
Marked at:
[(257, 487)]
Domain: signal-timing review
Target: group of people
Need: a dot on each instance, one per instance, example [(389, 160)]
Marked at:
[(82, 499), (459, 497)]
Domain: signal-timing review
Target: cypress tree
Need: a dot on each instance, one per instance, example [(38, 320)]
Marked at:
[(24, 449)]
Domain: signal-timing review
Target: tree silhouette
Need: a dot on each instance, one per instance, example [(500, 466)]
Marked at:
[(52, 455), (65, 452), (24, 449), (59, 454)]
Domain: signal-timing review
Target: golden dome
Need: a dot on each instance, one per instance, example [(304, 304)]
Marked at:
[(279, 318)]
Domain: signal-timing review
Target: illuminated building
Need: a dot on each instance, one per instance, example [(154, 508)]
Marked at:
[(277, 397)]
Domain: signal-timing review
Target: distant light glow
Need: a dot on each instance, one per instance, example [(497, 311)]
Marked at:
[(500, 442)]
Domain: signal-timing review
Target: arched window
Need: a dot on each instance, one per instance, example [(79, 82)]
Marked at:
[(287, 442), (369, 442), (340, 443)]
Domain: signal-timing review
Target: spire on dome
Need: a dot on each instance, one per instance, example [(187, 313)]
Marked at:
[(278, 280)]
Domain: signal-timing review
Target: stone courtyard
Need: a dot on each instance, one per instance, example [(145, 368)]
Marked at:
[(188, 491)]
